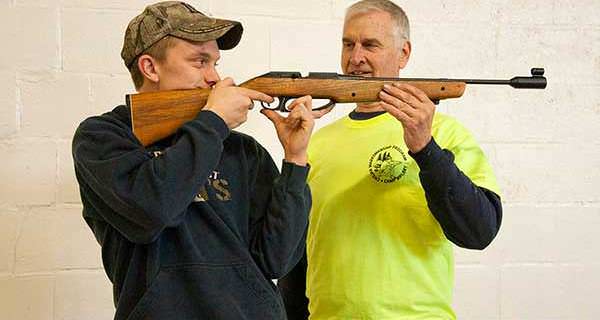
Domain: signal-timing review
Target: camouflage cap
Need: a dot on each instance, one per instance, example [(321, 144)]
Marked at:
[(178, 19)]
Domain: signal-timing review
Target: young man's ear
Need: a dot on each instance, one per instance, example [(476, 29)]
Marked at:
[(406, 48), (148, 68)]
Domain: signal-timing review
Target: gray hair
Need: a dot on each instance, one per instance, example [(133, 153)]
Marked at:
[(398, 15)]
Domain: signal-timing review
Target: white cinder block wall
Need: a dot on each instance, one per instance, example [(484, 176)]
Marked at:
[(60, 63)]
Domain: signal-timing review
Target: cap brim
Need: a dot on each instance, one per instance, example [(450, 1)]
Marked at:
[(227, 33), (231, 37)]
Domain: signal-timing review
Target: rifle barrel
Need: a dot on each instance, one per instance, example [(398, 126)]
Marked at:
[(536, 81), (485, 81)]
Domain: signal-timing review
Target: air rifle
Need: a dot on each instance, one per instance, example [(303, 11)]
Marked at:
[(156, 115)]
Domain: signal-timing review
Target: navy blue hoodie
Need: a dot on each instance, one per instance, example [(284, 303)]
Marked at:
[(194, 226)]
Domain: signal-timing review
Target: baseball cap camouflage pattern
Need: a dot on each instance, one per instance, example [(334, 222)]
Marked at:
[(178, 19)]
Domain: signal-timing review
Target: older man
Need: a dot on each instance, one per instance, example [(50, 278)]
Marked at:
[(394, 185)]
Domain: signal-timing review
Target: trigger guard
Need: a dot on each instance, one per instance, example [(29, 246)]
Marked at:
[(329, 104)]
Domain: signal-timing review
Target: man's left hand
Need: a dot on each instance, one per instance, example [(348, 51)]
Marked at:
[(413, 109), (294, 130)]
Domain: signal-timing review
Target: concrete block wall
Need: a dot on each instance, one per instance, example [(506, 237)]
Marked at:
[(60, 63)]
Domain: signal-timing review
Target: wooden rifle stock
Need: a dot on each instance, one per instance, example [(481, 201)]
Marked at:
[(156, 115)]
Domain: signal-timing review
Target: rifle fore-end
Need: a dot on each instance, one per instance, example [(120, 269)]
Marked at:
[(156, 115), (348, 91)]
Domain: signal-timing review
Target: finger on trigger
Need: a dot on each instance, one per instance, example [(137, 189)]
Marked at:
[(257, 95)]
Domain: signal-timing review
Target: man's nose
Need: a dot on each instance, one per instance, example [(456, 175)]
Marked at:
[(357, 56), (212, 77)]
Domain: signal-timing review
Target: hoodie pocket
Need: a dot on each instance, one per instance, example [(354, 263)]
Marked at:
[(208, 291)]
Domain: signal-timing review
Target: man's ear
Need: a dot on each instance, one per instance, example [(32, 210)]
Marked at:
[(148, 67), (406, 49)]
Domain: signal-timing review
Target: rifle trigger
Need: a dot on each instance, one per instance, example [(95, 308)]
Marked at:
[(282, 102)]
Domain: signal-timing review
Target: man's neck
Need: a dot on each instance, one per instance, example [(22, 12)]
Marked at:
[(369, 107), (148, 86)]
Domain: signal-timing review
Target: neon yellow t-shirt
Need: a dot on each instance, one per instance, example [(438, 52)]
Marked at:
[(374, 249)]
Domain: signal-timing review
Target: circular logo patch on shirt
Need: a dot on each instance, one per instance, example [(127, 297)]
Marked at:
[(388, 164)]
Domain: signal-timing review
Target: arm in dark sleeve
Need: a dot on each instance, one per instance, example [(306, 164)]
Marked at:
[(469, 215), (135, 192), (293, 290), (279, 219)]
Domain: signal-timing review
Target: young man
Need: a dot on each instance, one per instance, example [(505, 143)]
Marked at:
[(193, 226), (394, 186)]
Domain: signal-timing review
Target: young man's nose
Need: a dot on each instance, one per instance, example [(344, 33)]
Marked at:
[(212, 77)]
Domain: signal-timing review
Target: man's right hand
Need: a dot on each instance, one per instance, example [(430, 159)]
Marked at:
[(232, 103)]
